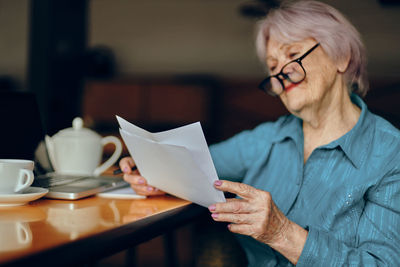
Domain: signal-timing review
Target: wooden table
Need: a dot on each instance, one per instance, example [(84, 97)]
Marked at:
[(59, 232)]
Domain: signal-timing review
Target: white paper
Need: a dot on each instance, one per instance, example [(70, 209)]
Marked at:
[(176, 161)]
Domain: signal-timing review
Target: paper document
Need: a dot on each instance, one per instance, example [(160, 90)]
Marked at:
[(176, 161)]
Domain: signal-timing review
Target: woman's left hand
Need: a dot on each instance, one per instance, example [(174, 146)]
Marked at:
[(255, 214)]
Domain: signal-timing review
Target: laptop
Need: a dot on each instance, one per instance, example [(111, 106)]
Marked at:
[(21, 137)]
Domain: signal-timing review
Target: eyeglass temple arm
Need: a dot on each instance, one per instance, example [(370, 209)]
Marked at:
[(308, 52)]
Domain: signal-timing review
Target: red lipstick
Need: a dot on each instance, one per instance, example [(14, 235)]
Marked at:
[(290, 87)]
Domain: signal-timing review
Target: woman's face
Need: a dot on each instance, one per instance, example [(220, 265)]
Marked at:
[(321, 75)]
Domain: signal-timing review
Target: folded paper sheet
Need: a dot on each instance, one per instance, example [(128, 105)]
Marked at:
[(176, 161)]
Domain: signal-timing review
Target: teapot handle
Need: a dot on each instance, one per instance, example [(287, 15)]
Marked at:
[(114, 157)]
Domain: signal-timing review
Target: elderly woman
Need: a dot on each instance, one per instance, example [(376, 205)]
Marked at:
[(319, 187)]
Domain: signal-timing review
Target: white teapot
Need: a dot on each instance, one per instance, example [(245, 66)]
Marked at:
[(78, 150)]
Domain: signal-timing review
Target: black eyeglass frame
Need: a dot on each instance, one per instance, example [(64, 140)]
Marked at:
[(298, 60)]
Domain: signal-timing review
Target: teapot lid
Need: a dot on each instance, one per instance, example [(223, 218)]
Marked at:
[(78, 131)]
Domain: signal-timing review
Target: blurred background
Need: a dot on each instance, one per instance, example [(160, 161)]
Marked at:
[(165, 63), (162, 63)]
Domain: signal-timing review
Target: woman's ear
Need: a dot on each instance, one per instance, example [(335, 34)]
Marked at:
[(343, 64)]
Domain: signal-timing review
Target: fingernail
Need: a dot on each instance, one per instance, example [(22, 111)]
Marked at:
[(126, 169), (229, 226), (141, 181), (149, 188), (218, 183), (212, 208), (214, 215)]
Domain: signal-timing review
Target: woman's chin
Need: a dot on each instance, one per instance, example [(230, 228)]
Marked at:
[(294, 103), (296, 112)]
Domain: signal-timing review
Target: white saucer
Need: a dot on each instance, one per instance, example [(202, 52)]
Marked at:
[(30, 194)]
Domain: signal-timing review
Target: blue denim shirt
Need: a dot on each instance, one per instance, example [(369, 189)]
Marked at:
[(347, 195)]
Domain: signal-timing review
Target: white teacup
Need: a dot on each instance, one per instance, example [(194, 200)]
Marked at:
[(15, 175)]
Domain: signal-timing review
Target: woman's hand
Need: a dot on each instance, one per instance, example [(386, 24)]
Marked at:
[(137, 182), (256, 215)]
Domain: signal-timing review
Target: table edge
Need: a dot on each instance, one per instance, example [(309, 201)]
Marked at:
[(112, 241)]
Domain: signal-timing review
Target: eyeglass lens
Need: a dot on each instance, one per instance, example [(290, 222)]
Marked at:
[(292, 72)]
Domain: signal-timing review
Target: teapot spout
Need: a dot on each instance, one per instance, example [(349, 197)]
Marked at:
[(50, 151)]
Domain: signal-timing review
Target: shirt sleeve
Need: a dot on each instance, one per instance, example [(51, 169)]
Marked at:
[(378, 233), (233, 157)]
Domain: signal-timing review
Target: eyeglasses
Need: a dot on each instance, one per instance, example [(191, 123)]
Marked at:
[(292, 71)]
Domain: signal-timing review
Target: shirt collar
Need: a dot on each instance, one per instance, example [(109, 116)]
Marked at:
[(292, 128), (354, 143)]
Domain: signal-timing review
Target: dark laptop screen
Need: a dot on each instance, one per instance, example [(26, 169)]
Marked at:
[(21, 126)]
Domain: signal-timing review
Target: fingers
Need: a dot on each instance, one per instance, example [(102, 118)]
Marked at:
[(135, 178), (140, 186), (126, 164), (242, 229), (240, 189), (137, 182), (232, 205), (240, 223), (232, 218), (146, 190), (233, 211)]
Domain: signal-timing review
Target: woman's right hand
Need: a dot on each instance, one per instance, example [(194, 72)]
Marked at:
[(137, 182)]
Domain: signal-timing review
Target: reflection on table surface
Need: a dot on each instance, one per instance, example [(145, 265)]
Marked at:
[(15, 232), (46, 223)]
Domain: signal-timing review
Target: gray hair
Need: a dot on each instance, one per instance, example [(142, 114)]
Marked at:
[(296, 21)]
